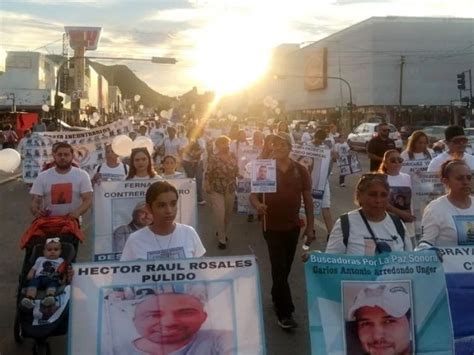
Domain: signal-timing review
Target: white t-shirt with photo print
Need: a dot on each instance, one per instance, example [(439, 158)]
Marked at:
[(445, 225), (360, 242), (143, 244)]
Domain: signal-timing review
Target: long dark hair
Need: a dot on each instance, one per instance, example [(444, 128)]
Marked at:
[(133, 171)]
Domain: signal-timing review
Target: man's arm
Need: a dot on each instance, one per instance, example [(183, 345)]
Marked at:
[(85, 205), (309, 211), (36, 206)]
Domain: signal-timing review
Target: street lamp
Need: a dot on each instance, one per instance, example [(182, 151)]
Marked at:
[(57, 101), (284, 76)]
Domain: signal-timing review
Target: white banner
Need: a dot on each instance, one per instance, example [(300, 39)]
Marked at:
[(115, 207), (348, 163), (246, 154), (89, 147), (243, 195), (206, 306), (413, 166), (317, 161), (426, 187)]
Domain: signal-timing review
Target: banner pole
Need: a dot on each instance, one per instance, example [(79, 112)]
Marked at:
[(264, 217)]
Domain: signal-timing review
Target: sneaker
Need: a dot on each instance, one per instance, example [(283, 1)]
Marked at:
[(27, 303), (48, 301), (287, 322), (201, 203), (222, 246)]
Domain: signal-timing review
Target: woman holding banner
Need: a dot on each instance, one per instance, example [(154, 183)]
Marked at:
[(141, 165), (371, 229), (448, 220), (400, 186), (220, 184), (416, 156)]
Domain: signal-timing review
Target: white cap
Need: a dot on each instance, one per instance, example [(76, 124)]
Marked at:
[(196, 289), (393, 298)]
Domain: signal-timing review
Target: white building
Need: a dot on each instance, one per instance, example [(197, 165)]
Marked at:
[(31, 78), (376, 57)]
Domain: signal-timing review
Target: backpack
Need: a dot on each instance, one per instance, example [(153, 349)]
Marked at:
[(124, 168), (345, 226)]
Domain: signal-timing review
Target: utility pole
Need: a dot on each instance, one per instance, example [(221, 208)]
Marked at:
[(400, 93)]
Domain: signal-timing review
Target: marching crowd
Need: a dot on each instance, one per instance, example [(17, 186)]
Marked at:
[(383, 222)]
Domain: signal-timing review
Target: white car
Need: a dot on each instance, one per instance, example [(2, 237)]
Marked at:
[(360, 137)]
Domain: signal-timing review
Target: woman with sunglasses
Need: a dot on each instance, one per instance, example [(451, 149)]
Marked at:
[(141, 165), (449, 220), (417, 156), (371, 229), (400, 187)]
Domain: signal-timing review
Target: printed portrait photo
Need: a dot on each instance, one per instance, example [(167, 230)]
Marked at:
[(168, 318), (378, 317)]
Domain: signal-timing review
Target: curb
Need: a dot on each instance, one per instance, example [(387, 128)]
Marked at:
[(9, 179)]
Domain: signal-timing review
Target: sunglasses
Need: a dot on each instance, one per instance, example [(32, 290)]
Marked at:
[(53, 240), (396, 160), (373, 176)]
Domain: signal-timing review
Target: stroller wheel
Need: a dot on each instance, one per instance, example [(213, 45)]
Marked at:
[(41, 348), (17, 333)]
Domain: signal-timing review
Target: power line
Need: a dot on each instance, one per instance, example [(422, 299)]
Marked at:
[(34, 50)]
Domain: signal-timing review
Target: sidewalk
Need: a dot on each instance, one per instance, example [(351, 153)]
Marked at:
[(7, 177)]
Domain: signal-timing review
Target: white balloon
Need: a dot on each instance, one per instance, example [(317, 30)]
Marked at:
[(122, 145), (45, 108), (141, 107), (144, 142), (137, 98), (10, 160), (164, 114), (277, 110)]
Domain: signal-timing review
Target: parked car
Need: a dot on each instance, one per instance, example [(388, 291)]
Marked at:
[(434, 133), (407, 130), (360, 137)]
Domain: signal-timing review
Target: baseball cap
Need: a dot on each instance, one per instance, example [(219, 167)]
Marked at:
[(284, 136), (394, 299), (453, 131), (197, 290)]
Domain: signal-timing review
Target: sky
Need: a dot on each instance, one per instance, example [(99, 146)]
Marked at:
[(220, 45)]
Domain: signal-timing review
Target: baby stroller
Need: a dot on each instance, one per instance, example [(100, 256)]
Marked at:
[(41, 322)]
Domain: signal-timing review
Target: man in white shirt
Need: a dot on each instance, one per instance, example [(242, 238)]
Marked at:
[(63, 189), (456, 142), (112, 170), (173, 144)]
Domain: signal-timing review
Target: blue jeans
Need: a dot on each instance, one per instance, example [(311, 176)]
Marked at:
[(194, 170)]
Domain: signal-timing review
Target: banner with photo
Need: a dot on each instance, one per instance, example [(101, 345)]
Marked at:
[(243, 194), (426, 187), (358, 304), (246, 154), (348, 163), (317, 161), (180, 306), (89, 147), (458, 264), (263, 179), (412, 167), (119, 210)]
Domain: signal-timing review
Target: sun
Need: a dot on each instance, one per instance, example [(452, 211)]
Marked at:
[(232, 53)]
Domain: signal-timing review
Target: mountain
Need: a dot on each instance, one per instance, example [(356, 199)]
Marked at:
[(129, 84)]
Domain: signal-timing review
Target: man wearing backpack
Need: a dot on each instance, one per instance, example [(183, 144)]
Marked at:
[(281, 226), (112, 170)]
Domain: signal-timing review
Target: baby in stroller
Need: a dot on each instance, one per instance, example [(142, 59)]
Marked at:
[(47, 273)]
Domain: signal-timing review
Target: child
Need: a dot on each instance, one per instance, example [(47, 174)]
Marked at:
[(45, 274), (342, 149), (168, 165)]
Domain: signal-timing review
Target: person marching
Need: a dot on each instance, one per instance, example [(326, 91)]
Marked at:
[(281, 223)]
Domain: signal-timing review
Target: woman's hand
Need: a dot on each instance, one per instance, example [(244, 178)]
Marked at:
[(261, 208)]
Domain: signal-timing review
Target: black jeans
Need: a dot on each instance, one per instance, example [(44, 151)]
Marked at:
[(281, 249)]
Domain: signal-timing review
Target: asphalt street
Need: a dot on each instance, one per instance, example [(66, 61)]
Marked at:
[(245, 238)]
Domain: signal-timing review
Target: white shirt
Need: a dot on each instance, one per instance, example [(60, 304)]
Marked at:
[(306, 138), (107, 173), (360, 241), (44, 270), (61, 192), (172, 146), (143, 244), (444, 224), (175, 175), (436, 163)]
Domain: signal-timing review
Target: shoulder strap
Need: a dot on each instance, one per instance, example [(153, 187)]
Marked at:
[(125, 168), (345, 228), (398, 225), (99, 167)]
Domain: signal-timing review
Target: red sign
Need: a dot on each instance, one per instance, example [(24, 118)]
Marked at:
[(83, 37)]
